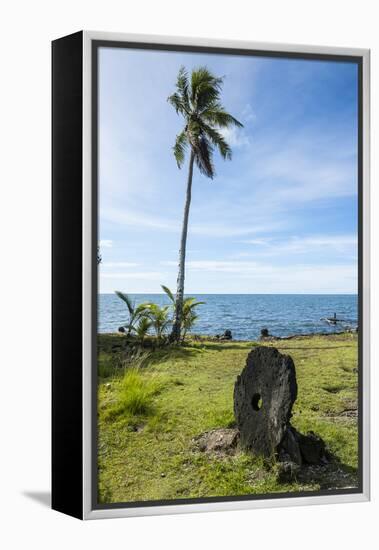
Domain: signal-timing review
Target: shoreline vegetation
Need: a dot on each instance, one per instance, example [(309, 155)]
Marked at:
[(149, 317), (154, 402), (283, 315)]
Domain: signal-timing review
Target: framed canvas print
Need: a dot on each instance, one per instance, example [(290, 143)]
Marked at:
[(210, 275)]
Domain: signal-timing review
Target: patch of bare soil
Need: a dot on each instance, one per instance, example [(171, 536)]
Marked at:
[(222, 441), (349, 412)]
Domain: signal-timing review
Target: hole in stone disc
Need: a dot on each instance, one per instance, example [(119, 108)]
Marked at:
[(256, 402)]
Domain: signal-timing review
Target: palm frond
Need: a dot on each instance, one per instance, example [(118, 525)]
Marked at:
[(180, 148), (141, 308), (159, 318), (217, 115), (219, 141), (204, 156), (143, 327), (205, 88), (144, 322), (177, 102), (156, 311), (182, 86), (190, 303), (125, 298), (189, 320), (168, 292)]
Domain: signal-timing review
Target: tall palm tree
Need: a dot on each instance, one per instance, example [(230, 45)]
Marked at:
[(197, 100)]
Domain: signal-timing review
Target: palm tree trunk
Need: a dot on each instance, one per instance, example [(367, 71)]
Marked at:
[(175, 333)]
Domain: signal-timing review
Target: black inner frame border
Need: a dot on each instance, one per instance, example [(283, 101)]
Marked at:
[(358, 60)]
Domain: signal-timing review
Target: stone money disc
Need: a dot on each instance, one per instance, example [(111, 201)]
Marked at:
[(263, 397)]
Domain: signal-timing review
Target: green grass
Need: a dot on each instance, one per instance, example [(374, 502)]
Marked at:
[(147, 418), (134, 397)]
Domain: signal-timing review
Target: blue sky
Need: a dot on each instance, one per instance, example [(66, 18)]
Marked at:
[(281, 217)]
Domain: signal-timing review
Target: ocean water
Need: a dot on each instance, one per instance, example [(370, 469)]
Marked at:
[(246, 314)]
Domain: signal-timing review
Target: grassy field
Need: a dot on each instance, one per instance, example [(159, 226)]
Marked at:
[(148, 416)]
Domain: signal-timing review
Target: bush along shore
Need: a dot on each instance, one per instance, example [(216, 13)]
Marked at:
[(157, 402)]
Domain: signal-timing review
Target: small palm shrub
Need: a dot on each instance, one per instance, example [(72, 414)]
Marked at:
[(135, 312), (189, 316), (160, 319), (150, 316), (143, 328)]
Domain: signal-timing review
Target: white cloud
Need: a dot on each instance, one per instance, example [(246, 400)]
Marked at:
[(306, 167), (229, 229), (119, 264), (137, 275), (305, 245), (235, 137), (258, 277), (258, 242), (141, 219), (216, 265), (248, 114), (123, 216), (106, 243), (338, 243)]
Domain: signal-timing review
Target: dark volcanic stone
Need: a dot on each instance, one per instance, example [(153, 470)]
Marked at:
[(289, 447), (263, 397), (227, 335)]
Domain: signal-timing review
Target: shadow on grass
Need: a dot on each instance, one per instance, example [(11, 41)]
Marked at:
[(332, 475), (216, 346), (114, 343), (172, 352), (322, 348)]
